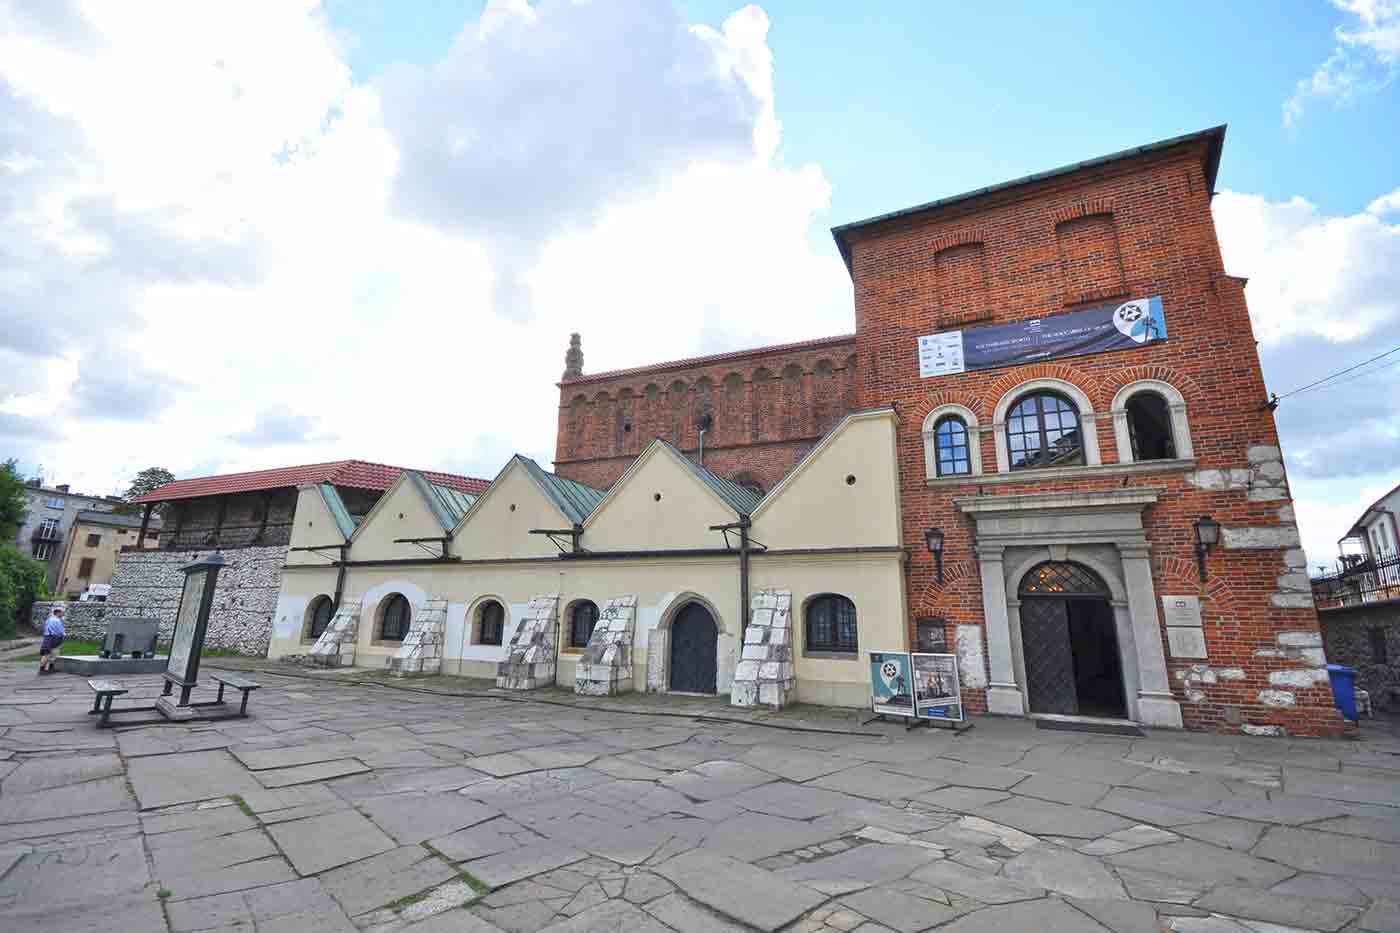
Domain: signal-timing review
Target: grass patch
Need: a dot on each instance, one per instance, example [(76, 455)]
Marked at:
[(81, 648), (480, 887), (408, 899), (165, 894), (243, 805)]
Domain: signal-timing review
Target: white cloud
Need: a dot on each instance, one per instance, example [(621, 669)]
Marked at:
[(1324, 294), (1366, 58), (213, 239)]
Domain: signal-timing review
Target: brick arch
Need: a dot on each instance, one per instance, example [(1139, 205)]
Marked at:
[(1181, 576), (764, 403), (678, 411), (945, 598), (1088, 384), (625, 422), (1179, 380), (731, 409), (600, 425), (825, 396), (944, 397), (577, 424), (652, 417), (794, 404)]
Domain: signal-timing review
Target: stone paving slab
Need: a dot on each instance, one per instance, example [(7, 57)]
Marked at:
[(316, 772), (1273, 907), (859, 867), (735, 889), (75, 874), (381, 879), (412, 818), (1309, 850), (321, 842), (188, 776), (898, 910), (101, 796), (1049, 916), (1198, 861), (523, 862)]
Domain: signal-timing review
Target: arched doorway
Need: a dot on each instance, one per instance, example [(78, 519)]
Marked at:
[(1069, 642), (694, 641)]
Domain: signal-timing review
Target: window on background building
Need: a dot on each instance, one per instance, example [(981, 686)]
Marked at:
[(55, 502), (582, 620), (94, 540), (322, 609), (1042, 430), (953, 455), (831, 624), (397, 615), (48, 529), (1150, 427), (43, 550), (1379, 655), (85, 568), (491, 623)]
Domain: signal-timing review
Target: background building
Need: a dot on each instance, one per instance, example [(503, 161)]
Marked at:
[(52, 511), (92, 547)]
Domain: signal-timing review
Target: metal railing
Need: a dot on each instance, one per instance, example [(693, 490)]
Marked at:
[(1358, 581)]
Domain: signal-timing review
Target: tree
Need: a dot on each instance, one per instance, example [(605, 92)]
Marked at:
[(21, 584), (147, 480), (14, 501)]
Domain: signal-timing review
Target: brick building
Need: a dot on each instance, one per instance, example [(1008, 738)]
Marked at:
[(1065, 467)]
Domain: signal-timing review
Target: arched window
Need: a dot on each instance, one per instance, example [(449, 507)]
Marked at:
[(490, 623), (397, 615), (319, 615), (1063, 578), (831, 624), (953, 454), (1042, 430), (1150, 427), (582, 618)]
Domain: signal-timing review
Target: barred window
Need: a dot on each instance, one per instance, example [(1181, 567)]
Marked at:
[(831, 624), (953, 458), (582, 620), (1042, 430), (397, 615), (491, 623), (321, 612)]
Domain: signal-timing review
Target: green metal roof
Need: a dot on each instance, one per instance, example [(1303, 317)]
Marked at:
[(738, 498), (574, 499), (448, 504), (1215, 137), (336, 506)]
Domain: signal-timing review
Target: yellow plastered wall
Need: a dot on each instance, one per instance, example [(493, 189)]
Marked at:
[(815, 507), (498, 526), (374, 539), (633, 519), (314, 527), (289, 619)]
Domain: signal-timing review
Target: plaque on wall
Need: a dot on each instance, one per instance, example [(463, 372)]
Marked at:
[(1186, 642), (932, 635), (1182, 611)]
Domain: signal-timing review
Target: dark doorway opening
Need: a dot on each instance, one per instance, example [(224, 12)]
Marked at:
[(694, 651), (1069, 643)]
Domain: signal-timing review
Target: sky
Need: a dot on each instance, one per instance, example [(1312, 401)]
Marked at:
[(244, 235)]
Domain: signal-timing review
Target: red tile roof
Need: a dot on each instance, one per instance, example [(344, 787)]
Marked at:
[(356, 474)]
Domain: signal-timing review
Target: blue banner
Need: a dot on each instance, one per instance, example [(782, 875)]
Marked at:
[(1118, 326)]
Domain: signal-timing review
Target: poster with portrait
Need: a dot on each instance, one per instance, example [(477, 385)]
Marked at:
[(186, 623), (937, 694), (891, 683)]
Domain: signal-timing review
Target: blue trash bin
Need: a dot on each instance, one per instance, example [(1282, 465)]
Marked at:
[(1343, 688)]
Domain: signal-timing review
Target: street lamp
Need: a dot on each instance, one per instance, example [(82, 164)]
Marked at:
[(1207, 536), (933, 537)]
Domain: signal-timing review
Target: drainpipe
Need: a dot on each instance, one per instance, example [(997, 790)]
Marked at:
[(743, 578), (340, 578), (702, 446)]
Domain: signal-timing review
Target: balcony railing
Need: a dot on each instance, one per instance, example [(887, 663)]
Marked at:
[(1360, 581)]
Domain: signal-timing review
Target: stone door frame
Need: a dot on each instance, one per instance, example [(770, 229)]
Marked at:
[(1102, 530), (659, 644)]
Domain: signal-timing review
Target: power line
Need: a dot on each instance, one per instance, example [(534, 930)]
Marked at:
[(1340, 372), (1353, 378)]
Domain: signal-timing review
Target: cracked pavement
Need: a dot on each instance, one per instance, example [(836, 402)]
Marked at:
[(344, 807)]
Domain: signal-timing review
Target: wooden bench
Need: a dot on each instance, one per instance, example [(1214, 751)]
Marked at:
[(237, 683), (105, 689)]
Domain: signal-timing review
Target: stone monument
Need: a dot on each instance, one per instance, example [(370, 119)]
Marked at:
[(191, 624)]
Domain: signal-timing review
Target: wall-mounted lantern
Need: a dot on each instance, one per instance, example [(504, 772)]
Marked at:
[(1207, 537), (933, 537)]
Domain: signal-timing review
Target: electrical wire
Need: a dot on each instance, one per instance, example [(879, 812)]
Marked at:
[(1340, 372), (1352, 378)]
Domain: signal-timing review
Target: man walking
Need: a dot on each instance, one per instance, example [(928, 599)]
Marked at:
[(53, 637)]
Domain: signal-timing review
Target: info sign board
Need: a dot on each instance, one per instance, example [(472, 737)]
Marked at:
[(191, 621), (937, 693), (1116, 326), (891, 683)]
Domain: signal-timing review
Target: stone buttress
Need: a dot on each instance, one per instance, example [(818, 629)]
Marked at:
[(336, 646), (765, 673), (530, 661), (421, 651), (605, 668)]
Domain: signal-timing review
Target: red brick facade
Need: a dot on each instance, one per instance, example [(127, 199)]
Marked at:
[(767, 407), (1131, 226)]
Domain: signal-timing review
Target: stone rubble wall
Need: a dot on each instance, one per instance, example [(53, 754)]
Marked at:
[(1346, 633), (530, 661), (147, 585), (605, 669), (421, 651), (336, 646), (80, 620), (765, 673)]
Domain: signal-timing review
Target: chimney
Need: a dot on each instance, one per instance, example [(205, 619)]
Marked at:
[(62, 487)]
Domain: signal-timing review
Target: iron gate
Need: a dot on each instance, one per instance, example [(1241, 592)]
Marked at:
[(1049, 661)]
